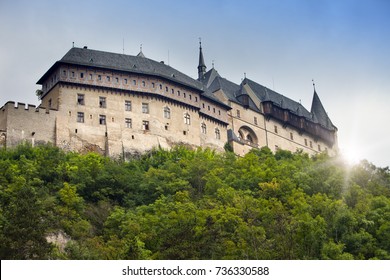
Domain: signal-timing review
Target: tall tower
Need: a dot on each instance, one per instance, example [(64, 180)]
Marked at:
[(201, 66)]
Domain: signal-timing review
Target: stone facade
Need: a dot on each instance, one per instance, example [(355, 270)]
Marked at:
[(119, 105)]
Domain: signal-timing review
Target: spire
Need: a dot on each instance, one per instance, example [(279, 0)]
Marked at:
[(201, 66), (318, 111), (140, 54)]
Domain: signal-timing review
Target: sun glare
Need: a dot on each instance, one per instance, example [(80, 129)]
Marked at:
[(352, 155)]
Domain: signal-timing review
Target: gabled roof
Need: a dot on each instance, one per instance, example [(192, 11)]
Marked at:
[(128, 63)]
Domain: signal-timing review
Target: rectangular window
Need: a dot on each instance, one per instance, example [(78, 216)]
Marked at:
[(145, 125), (64, 73), (217, 134), (80, 99), (117, 80), (255, 120), (127, 105), (238, 114), (99, 77), (82, 75), (72, 74), (108, 78), (305, 142), (80, 117), (102, 102), (153, 85), (145, 108), (311, 144), (291, 136), (125, 81), (134, 82), (102, 119), (128, 123), (196, 99), (275, 129)]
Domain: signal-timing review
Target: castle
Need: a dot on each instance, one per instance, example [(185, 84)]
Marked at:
[(118, 105)]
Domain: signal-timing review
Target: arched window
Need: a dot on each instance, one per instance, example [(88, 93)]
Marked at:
[(204, 128), (167, 113), (217, 134), (187, 118)]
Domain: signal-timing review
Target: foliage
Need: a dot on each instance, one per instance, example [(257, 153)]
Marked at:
[(191, 204)]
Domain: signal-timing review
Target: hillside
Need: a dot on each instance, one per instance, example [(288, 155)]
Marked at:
[(186, 204)]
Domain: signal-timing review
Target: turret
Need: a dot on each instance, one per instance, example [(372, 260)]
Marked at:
[(201, 66)]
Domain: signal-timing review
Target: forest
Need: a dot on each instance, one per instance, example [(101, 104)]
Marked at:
[(191, 204)]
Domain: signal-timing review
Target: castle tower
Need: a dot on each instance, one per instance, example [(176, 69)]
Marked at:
[(201, 66)]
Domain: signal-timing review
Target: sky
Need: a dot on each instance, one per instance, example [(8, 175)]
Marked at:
[(343, 45)]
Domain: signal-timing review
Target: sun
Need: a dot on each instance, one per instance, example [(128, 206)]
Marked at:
[(352, 155)]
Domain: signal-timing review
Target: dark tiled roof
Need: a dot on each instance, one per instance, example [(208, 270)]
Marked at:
[(128, 63), (319, 113), (266, 94)]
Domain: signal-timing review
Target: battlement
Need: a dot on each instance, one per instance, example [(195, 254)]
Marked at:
[(27, 107)]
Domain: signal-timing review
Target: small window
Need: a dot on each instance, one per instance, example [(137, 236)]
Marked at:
[(102, 102), (255, 120), (204, 128), (117, 80), (196, 99), (64, 73), (145, 125), (80, 117), (125, 81), (166, 89), (184, 94), (178, 93), (167, 113), (219, 112), (108, 78), (99, 77), (50, 103), (153, 85), (128, 123), (319, 148), (143, 83), (203, 105), (80, 99), (275, 129), (134, 82), (145, 108), (73, 74), (311, 144), (82, 75), (102, 119), (90, 76), (160, 86), (187, 118), (213, 110), (291, 136), (172, 91), (305, 142), (238, 114), (127, 105), (217, 134), (190, 96)]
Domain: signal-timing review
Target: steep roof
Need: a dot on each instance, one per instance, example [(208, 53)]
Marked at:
[(319, 113), (266, 94), (128, 63)]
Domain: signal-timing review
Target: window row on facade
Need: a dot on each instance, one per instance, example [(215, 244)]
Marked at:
[(126, 81), (145, 124)]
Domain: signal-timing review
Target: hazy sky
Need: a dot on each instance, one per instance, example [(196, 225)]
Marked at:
[(344, 45)]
